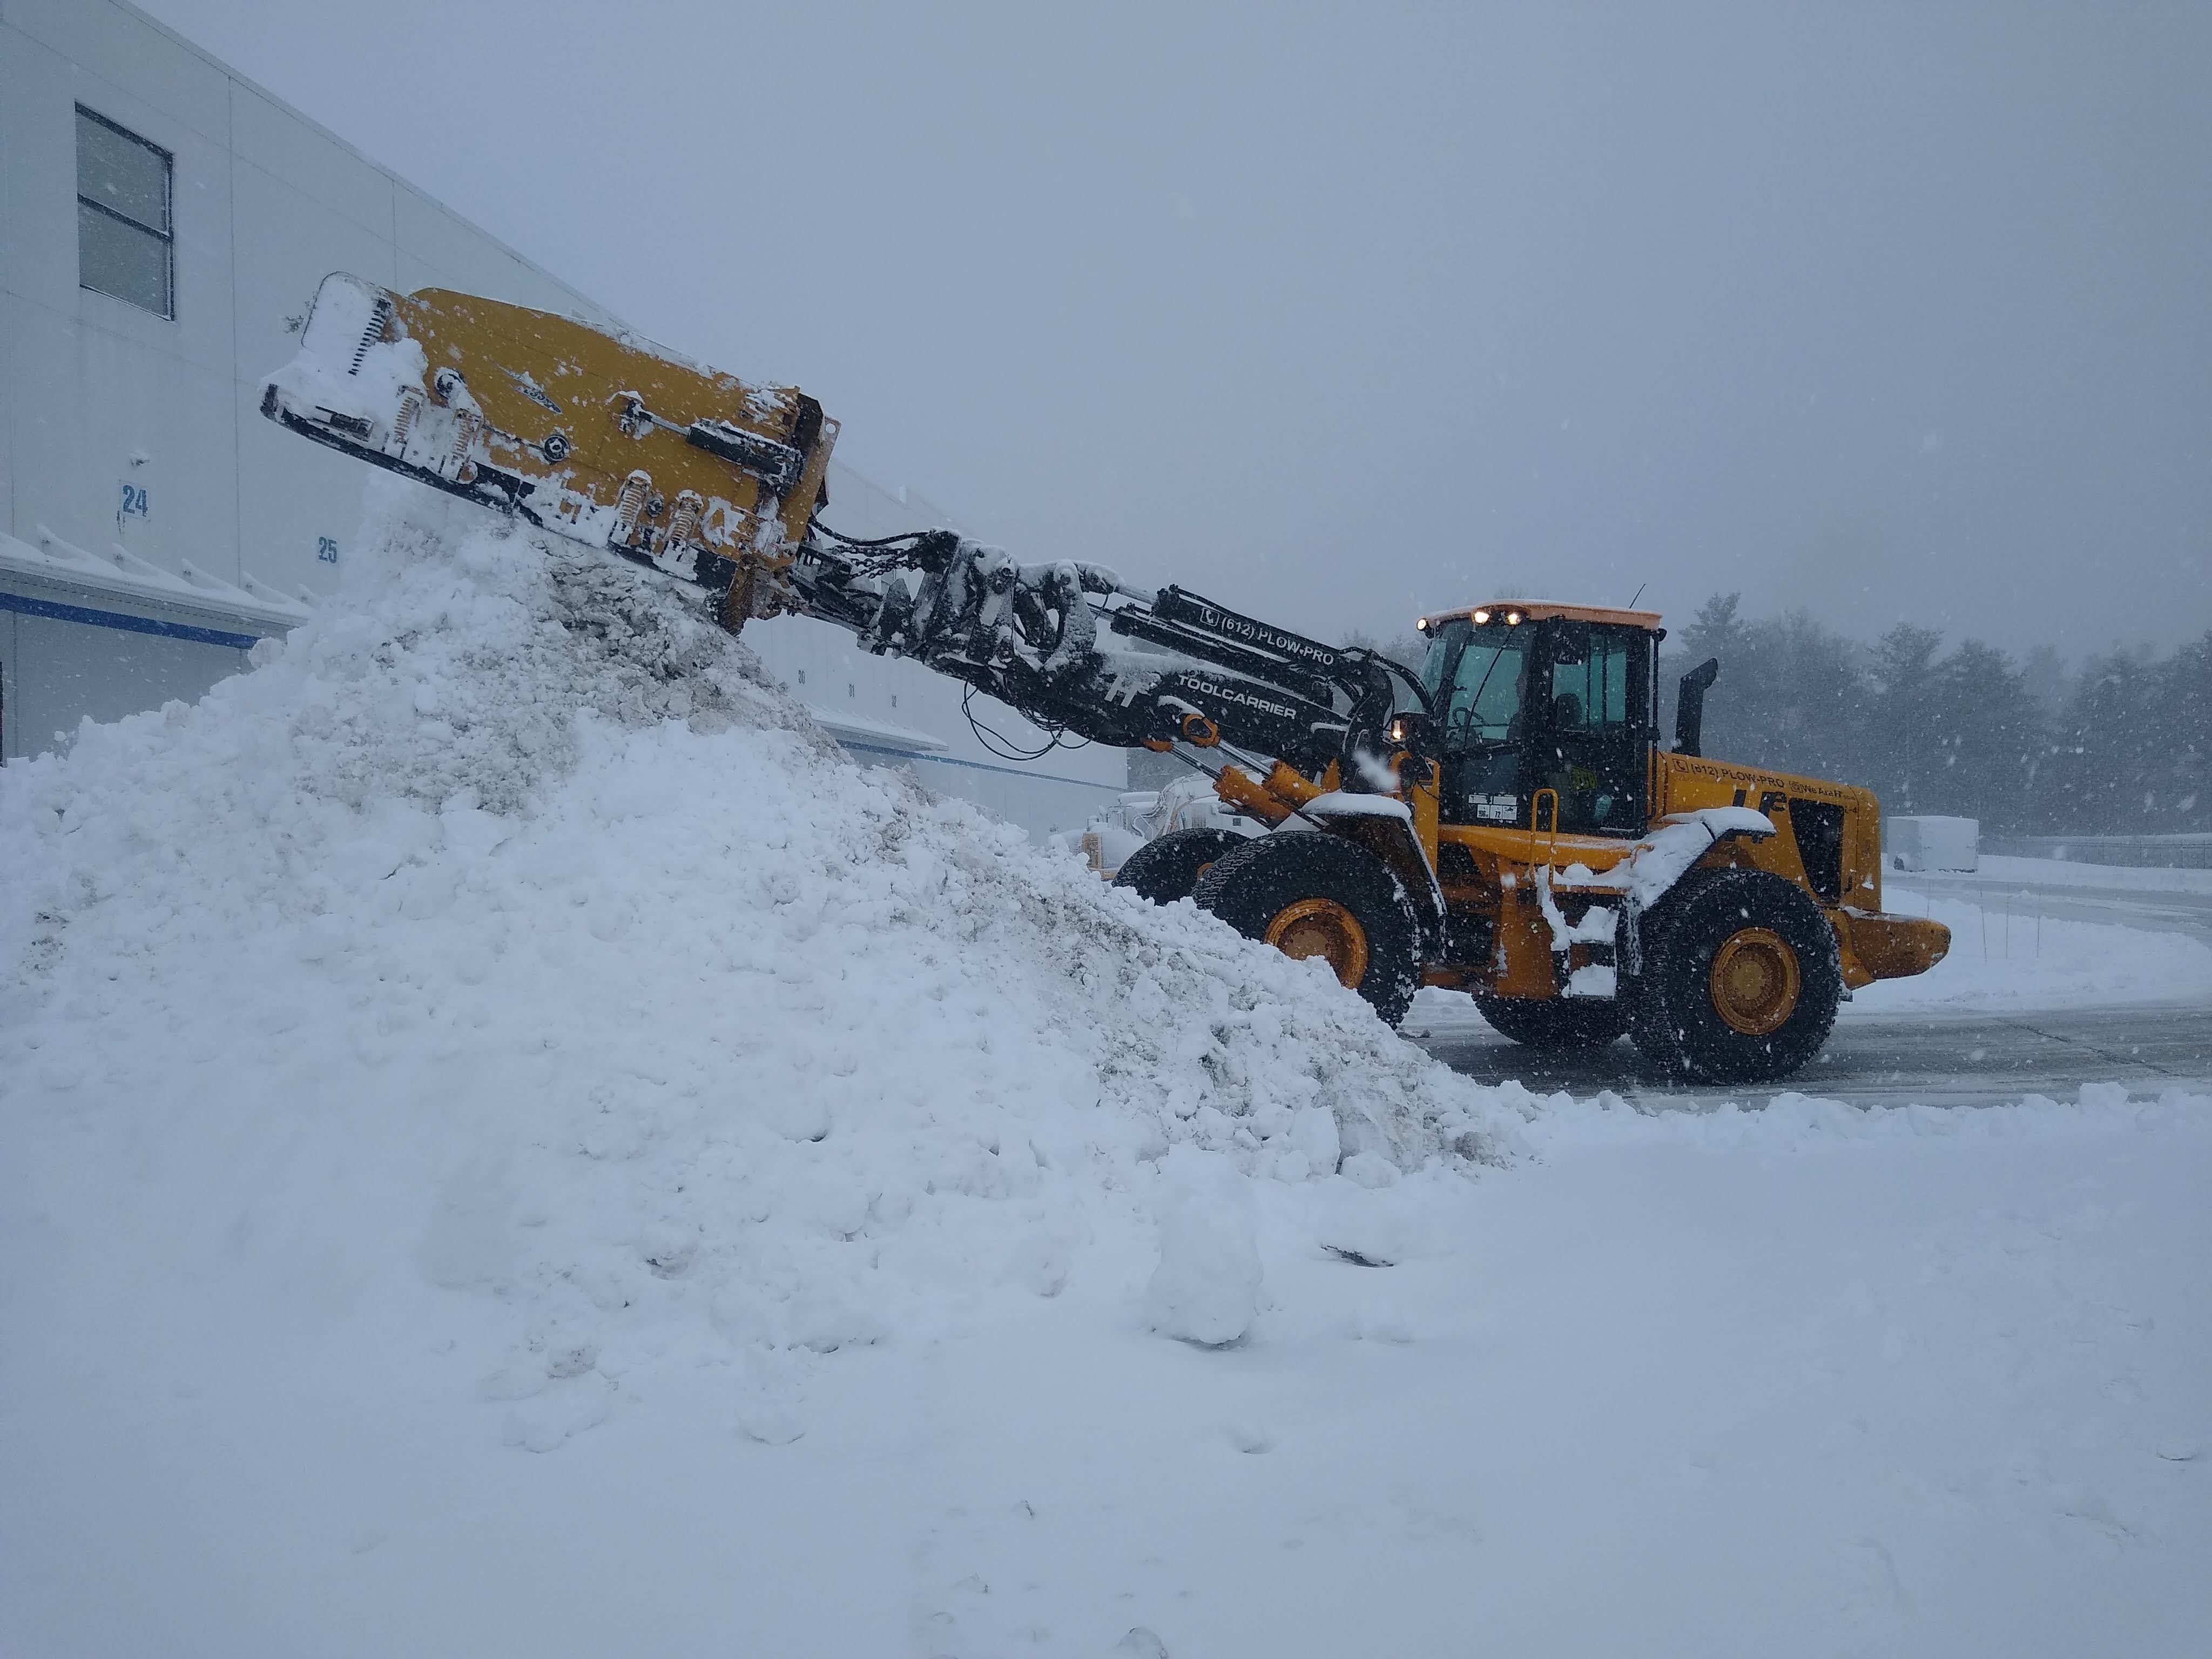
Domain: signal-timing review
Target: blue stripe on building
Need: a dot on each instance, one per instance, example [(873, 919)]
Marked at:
[(129, 624)]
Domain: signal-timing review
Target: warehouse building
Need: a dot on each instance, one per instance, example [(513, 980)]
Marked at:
[(164, 223)]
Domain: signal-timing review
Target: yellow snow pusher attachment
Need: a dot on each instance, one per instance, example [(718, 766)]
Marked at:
[(1501, 821), (602, 438)]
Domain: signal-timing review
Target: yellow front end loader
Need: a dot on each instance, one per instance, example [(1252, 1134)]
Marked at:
[(1502, 819)]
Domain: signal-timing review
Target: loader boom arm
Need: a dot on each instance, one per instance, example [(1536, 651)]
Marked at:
[(1076, 651)]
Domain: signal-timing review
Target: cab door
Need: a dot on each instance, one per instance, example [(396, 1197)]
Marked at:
[(1591, 725)]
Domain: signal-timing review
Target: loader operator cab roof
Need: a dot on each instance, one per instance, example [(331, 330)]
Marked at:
[(1514, 612), (1502, 621)]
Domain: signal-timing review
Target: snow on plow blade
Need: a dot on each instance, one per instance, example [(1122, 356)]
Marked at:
[(592, 436)]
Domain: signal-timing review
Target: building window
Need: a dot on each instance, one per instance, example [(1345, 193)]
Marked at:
[(123, 231)]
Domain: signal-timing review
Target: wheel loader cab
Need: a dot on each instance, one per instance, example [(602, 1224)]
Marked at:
[(1531, 698)]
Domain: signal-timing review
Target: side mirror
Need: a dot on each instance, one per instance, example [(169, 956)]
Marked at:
[(1689, 707)]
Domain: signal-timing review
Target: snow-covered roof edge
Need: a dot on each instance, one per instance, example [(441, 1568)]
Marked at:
[(255, 606), (860, 729)]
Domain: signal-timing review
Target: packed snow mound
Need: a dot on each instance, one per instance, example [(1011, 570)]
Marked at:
[(507, 923)]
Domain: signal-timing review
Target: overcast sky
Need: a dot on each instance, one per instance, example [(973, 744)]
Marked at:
[(1336, 314)]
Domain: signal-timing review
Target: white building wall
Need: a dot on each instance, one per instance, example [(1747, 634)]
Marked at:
[(95, 392)]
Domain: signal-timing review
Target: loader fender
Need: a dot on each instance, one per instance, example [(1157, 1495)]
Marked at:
[(1384, 825), (1669, 852)]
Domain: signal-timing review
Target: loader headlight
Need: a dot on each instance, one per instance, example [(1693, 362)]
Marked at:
[(1481, 618), (1513, 619)]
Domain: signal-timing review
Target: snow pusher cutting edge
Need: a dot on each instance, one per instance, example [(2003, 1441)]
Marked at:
[(1502, 822)]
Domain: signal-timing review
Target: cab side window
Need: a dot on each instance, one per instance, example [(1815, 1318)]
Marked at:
[(1593, 749), (1593, 694)]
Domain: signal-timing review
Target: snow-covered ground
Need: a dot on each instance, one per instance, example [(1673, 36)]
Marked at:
[(508, 1143), (1798, 1382), (2026, 876), (2006, 953)]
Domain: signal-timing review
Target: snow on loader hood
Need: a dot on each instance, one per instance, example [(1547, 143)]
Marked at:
[(507, 929)]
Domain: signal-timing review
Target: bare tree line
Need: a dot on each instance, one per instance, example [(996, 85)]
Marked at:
[(2122, 744)]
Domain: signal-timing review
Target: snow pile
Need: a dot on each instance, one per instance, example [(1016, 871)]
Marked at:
[(507, 937)]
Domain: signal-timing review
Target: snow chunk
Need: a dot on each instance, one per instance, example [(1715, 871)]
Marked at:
[(1207, 1288)]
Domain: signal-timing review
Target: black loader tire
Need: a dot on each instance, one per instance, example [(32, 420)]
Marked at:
[(1310, 893), (1740, 979), (1167, 869), (1554, 1025)]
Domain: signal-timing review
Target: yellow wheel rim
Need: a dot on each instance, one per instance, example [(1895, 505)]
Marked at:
[(1754, 980), (1322, 927)]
